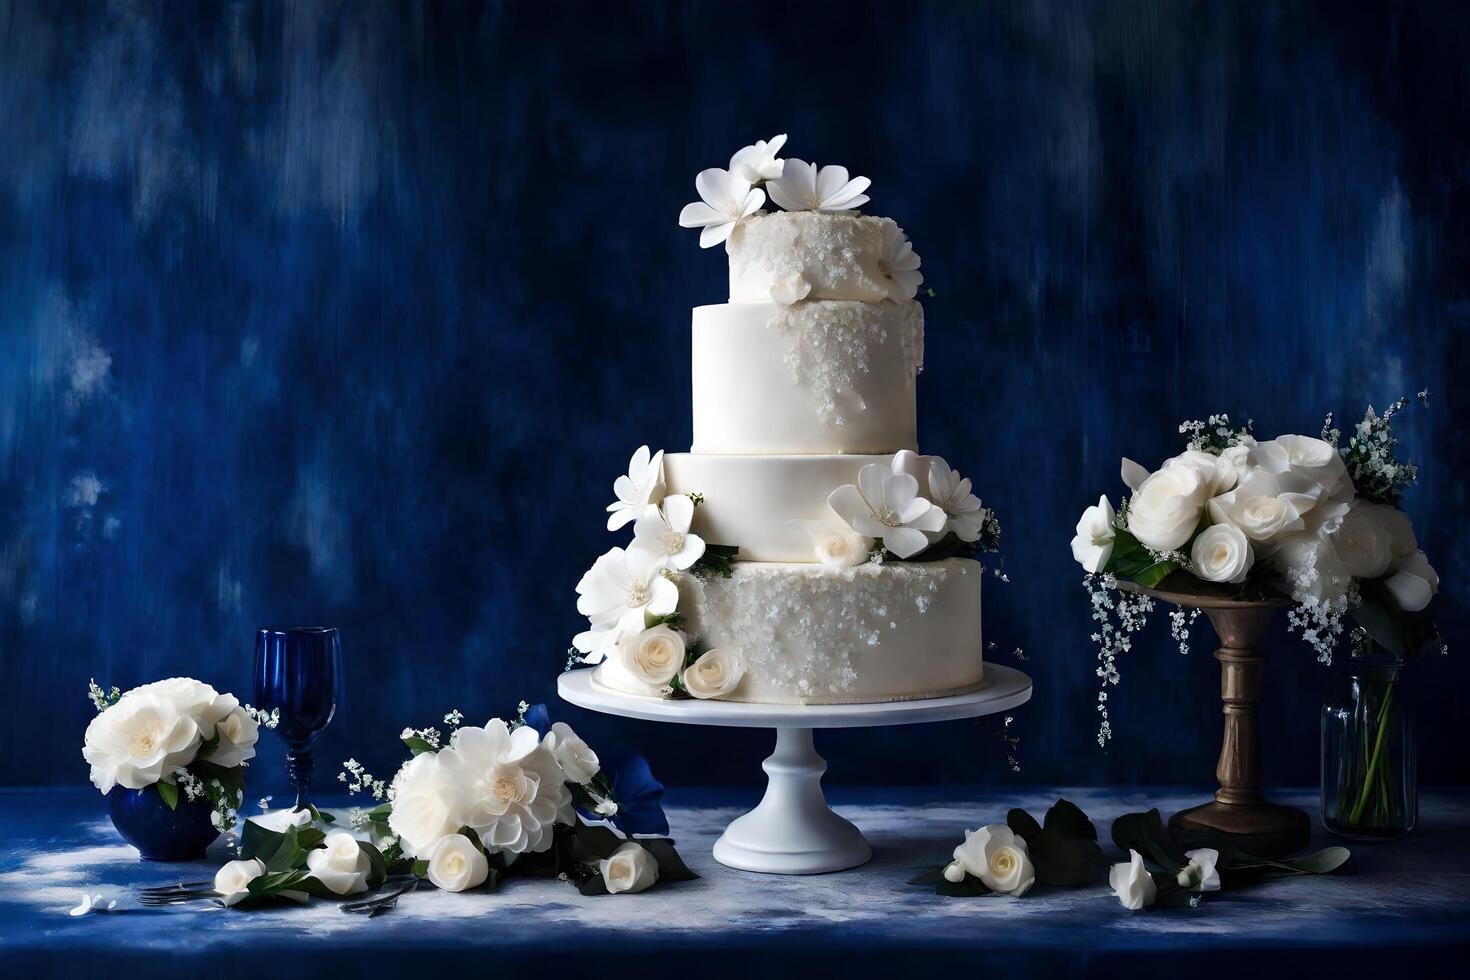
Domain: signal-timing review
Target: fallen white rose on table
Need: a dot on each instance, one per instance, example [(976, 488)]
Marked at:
[(456, 864), (631, 869), (233, 880), (1132, 883), (340, 864), (998, 857), (1200, 874), (713, 675)]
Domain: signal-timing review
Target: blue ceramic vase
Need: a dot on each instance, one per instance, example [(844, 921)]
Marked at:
[(159, 833)]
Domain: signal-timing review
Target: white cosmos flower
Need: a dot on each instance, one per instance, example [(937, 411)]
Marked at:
[(725, 201), (804, 187), (1221, 553), (899, 264), (887, 506), (512, 790), (614, 595), (643, 485), (963, 512), (758, 161), (1093, 544), (138, 741), (662, 534), (835, 544), (576, 758)]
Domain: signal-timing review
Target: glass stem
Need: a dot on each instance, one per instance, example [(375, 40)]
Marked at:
[(299, 762)]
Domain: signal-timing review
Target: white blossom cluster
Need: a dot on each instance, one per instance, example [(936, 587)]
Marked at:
[(359, 780), (1319, 621), (1112, 638), (1180, 622)]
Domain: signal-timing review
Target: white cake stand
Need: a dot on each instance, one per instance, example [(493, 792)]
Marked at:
[(793, 831)]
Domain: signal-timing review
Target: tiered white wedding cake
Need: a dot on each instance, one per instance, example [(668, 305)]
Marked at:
[(802, 552)]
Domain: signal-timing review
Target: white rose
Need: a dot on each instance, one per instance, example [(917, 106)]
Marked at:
[(1093, 544), (838, 545), (1362, 542), (457, 865), (577, 760), (1263, 508), (238, 733), (340, 864), (713, 675), (654, 656), (630, 869), (1166, 507), (1200, 874), (426, 804), (790, 290), (138, 741), (1307, 457), (1414, 584), (1311, 566), (1132, 883), (1222, 554), (233, 880), (999, 858), (1219, 472)]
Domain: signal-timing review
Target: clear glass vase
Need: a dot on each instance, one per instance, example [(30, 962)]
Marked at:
[(1369, 784)]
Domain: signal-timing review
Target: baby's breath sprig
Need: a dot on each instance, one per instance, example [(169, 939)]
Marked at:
[(1215, 435), (263, 718), (102, 699), (1131, 610), (1372, 460), (1180, 622), (1011, 742), (359, 780)]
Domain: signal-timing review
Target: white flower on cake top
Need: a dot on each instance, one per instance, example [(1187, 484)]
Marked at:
[(724, 200), (643, 485), (803, 186), (662, 534), (758, 161), (899, 264)]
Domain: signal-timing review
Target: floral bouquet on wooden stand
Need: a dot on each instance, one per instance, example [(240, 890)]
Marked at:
[(1235, 526), (171, 757)]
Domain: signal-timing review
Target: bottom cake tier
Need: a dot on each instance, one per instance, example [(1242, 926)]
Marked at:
[(811, 634)]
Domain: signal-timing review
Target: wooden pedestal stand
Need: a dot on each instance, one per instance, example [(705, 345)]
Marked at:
[(1239, 809)]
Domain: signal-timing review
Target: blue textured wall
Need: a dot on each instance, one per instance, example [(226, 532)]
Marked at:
[(350, 313)]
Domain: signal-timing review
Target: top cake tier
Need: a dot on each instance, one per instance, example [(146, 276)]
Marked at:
[(839, 255)]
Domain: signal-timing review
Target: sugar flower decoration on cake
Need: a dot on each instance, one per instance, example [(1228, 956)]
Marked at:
[(643, 485), (758, 162), (725, 200), (963, 512), (804, 187), (899, 264), (835, 543), (887, 506), (663, 535), (616, 593)]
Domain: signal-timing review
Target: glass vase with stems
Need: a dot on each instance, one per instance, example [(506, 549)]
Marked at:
[(1369, 787)]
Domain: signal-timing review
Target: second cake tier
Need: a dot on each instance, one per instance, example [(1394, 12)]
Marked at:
[(823, 376)]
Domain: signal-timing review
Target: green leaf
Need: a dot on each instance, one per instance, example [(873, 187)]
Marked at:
[(417, 745), (970, 887), (1249, 867), (1154, 574), (590, 844), (420, 868), (1063, 861), (1066, 817), (377, 866), (931, 877), (308, 838), (469, 832), (1146, 834), (169, 792), (671, 867), (718, 559), (1023, 824), (593, 885), (254, 839)]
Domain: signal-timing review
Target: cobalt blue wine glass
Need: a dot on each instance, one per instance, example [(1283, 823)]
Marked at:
[(298, 671)]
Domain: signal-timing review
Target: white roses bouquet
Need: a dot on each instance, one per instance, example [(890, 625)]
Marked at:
[(175, 735), (1300, 518)]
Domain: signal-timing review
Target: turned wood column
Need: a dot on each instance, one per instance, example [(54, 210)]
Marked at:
[(1239, 768)]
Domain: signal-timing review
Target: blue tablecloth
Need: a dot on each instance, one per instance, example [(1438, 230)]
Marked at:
[(1397, 906)]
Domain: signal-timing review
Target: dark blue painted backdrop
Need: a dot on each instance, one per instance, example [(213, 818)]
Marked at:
[(350, 313)]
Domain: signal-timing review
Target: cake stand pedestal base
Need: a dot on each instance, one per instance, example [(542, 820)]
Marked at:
[(792, 831), (1258, 828)]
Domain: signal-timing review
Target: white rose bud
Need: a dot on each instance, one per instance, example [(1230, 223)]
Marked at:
[(630, 869), (999, 858), (1132, 883), (233, 880), (1093, 545), (654, 656), (1200, 874), (577, 760), (1362, 541), (835, 544), (238, 733), (1220, 473), (456, 864), (1414, 584), (789, 290), (1166, 508), (713, 675), (954, 872), (1222, 554), (340, 864)]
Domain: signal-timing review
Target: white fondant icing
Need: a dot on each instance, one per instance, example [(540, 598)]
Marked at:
[(816, 377), (809, 634), (750, 501), (838, 254)]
